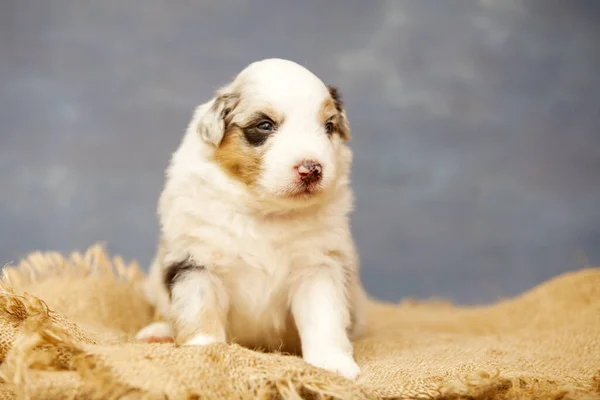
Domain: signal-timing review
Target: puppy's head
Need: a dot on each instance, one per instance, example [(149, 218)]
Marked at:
[(279, 130)]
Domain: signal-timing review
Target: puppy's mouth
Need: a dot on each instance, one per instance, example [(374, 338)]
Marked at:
[(301, 190)]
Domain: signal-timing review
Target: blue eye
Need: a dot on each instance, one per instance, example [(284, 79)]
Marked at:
[(265, 126)]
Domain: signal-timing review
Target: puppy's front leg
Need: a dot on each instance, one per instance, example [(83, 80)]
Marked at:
[(320, 310), (199, 303)]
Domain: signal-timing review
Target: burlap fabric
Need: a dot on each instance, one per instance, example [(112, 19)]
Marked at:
[(67, 327)]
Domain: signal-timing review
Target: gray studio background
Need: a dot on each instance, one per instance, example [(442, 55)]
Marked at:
[(475, 124)]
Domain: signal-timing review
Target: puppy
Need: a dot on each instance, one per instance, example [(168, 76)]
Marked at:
[(255, 245)]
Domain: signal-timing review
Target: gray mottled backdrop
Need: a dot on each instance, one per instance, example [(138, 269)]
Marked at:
[(475, 124)]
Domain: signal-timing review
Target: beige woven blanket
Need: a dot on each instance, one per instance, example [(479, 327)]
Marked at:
[(67, 326)]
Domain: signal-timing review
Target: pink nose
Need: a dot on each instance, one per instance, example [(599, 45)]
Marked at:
[(309, 171)]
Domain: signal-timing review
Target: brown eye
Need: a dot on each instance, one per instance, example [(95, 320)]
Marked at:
[(329, 128), (265, 126)]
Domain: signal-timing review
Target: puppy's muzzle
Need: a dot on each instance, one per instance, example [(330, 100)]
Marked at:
[(309, 172)]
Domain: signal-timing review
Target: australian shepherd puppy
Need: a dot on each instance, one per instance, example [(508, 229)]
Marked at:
[(255, 244)]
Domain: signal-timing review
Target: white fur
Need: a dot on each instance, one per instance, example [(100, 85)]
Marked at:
[(266, 257), (155, 329), (202, 340)]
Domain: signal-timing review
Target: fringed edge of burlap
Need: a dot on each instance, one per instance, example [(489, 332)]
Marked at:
[(38, 266), (44, 345)]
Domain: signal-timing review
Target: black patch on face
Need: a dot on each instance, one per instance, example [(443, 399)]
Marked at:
[(177, 270), (255, 136), (337, 98)]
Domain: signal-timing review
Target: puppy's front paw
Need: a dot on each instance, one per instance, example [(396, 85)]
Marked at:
[(335, 361), (156, 332), (202, 340)]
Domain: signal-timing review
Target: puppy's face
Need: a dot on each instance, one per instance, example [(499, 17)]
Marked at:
[(279, 130)]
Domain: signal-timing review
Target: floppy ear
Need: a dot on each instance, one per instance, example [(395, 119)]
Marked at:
[(344, 125), (212, 116)]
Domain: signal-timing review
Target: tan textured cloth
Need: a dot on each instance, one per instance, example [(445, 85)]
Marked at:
[(67, 327)]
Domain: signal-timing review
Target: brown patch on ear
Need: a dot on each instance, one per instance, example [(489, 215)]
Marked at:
[(343, 126), (237, 158), (337, 98), (224, 104), (212, 121), (328, 110), (335, 105)]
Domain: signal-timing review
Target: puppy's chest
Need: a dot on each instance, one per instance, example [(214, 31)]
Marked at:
[(259, 268), (262, 267), (265, 248)]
